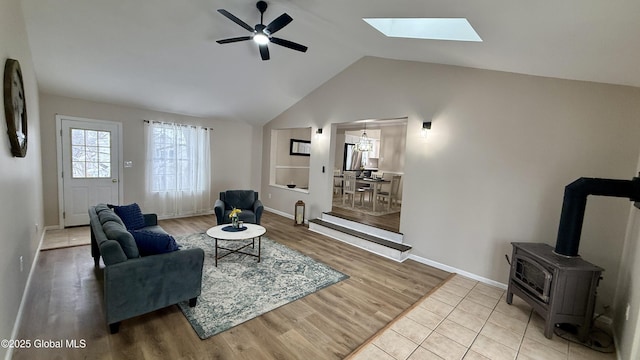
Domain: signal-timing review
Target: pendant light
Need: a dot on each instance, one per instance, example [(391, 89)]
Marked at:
[(365, 143)]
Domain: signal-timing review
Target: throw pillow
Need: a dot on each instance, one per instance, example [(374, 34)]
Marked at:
[(151, 243), (131, 216)]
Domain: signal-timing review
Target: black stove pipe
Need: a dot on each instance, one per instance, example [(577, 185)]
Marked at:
[(575, 202)]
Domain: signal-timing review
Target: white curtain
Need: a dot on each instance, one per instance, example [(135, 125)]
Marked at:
[(178, 169)]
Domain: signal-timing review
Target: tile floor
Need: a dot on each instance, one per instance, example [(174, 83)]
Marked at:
[(61, 238), (465, 319)]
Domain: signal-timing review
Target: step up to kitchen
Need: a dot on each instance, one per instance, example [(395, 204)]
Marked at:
[(383, 243)]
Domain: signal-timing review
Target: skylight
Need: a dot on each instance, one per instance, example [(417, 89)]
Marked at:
[(456, 29)]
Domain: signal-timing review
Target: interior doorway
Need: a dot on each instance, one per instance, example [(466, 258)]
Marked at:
[(373, 150)]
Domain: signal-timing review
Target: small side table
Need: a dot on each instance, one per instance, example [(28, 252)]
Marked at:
[(252, 233)]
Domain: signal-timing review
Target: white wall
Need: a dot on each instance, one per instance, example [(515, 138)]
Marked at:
[(20, 178), (493, 169), (235, 148), (628, 292)]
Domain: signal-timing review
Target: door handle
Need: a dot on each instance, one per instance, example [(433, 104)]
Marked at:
[(114, 180)]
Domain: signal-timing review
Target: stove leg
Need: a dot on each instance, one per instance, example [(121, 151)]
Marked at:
[(548, 328)]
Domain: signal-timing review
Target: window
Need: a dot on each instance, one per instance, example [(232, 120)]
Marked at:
[(90, 154), (178, 173)]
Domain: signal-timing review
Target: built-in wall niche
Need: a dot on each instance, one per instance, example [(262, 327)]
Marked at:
[(290, 155)]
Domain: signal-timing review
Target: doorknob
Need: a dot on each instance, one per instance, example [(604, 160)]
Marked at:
[(114, 180)]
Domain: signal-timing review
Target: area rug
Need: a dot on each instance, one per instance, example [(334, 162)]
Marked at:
[(240, 288)]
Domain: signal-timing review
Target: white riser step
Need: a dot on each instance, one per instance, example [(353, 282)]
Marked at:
[(377, 232), (393, 251)]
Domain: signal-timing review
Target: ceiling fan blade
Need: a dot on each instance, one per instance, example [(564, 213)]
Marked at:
[(232, 40), (289, 44), (264, 52), (280, 22), (232, 17)]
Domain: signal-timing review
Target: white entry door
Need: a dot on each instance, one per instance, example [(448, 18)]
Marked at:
[(90, 167)]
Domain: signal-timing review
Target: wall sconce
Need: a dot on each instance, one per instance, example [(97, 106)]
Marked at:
[(318, 133), (426, 126)]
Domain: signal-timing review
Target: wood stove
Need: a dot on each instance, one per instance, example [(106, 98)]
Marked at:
[(560, 289), (557, 283)]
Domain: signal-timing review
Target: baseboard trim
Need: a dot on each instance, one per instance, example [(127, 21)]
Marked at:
[(16, 324), (452, 269), (278, 212), (167, 217), (284, 214)]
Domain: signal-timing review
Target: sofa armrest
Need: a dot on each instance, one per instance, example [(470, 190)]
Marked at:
[(257, 210), (150, 219), (138, 286), (112, 252), (218, 207)]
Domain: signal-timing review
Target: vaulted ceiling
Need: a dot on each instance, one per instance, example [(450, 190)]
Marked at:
[(163, 55)]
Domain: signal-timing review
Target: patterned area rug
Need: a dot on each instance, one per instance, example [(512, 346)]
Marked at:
[(240, 288)]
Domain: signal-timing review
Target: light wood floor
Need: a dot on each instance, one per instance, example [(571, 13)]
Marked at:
[(65, 302)]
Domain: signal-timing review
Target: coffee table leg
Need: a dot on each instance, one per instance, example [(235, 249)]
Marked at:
[(259, 243), (216, 254)]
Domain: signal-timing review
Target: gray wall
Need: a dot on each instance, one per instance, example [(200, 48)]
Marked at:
[(494, 166), (21, 216), (235, 148)]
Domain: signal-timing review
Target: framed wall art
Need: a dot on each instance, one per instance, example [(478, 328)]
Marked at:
[(300, 147), (15, 108)]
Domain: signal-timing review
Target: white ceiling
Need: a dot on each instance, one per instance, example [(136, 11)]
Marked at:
[(162, 54)]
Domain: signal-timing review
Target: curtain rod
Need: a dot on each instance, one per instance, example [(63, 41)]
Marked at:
[(175, 124)]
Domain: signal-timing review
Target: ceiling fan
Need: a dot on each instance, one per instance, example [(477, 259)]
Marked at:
[(262, 34)]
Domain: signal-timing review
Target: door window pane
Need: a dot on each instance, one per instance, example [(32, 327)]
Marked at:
[(90, 154)]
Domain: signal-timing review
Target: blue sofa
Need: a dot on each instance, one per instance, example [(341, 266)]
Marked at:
[(134, 284), (245, 200)]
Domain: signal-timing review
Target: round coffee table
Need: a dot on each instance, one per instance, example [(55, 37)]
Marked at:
[(252, 233)]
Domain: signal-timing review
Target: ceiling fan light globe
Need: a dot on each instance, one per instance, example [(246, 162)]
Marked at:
[(261, 39)]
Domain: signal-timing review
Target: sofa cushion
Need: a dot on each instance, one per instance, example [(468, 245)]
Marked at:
[(241, 199), (109, 215), (131, 216), (101, 207), (115, 231), (151, 243)]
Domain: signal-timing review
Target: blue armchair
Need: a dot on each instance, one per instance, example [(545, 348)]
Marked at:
[(245, 200)]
